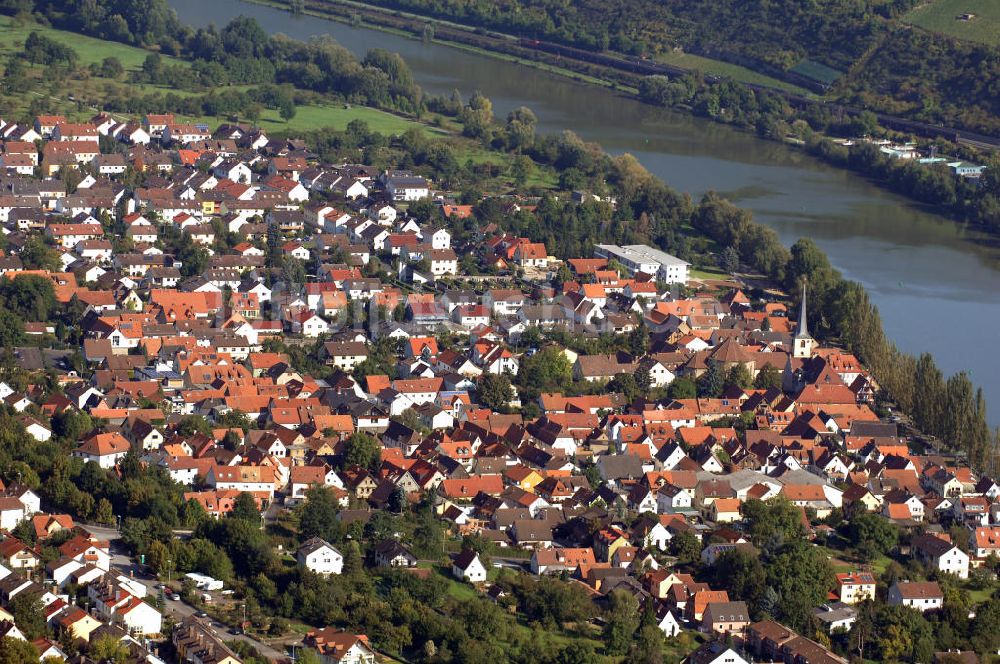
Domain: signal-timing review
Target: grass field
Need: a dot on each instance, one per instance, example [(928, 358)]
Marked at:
[(89, 49), (309, 118), (940, 16), (720, 68), (708, 273)]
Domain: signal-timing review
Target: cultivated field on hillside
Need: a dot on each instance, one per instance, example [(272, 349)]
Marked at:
[(942, 16)]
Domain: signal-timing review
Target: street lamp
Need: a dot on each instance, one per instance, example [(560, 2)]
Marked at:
[(168, 570)]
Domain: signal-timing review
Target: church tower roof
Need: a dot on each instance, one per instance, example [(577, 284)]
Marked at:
[(802, 331)]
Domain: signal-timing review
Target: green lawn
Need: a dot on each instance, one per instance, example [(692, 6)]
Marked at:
[(941, 16), (720, 68), (707, 273), (89, 49), (980, 596), (844, 561), (308, 118), (456, 588)]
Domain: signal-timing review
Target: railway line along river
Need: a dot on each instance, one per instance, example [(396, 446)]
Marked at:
[(936, 285)]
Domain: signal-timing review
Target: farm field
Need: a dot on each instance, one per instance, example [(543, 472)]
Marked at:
[(941, 16), (720, 68)]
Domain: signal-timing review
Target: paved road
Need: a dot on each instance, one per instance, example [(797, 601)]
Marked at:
[(121, 561)]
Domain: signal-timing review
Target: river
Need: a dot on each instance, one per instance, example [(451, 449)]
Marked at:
[(936, 290)]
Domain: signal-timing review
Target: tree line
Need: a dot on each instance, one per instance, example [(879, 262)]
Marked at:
[(973, 200)]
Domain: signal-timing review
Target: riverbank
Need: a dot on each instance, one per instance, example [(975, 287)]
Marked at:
[(454, 35), (963, 206)]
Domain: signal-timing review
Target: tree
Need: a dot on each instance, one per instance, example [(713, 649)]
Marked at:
[(108, 649), (742, 574), (802, 576), (152, 67), (712, 382), (243, 541), (520, 169), (928, 391), (768, 378), (28, 613), (11, 329), (520, 128), (548, 370), (293, 271), (111, 67), (17, 651), (986, 627), (773, 523), (286, 109), (245, 508), (871, 535), (682, 388), (37, 255), (234, 419), (253, 113), (362, 449), (903, 634), (495, 392), (30, 296), (192, 424), (397, 501), (309, 656), (104, 514), (622, 620), (193, 513), (648, 645), (625, 384), (730, 260), (864, 123), (686, 547), (739, 376), (318, 515), (71, 424), (477, 118)]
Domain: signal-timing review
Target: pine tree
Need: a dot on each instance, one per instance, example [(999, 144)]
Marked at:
[(730, 260), (713, 381)]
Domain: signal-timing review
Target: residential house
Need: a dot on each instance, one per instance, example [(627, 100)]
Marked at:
[(923, 596), (468, 567), (939, 553), (320, 557)]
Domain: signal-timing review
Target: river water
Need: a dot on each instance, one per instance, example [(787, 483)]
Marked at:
[(937, 290)]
